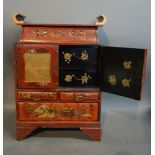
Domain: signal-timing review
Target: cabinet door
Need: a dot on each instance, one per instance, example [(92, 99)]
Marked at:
[(36, 66), (122, 71)]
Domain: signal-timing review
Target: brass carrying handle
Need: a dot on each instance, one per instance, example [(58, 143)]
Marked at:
[(41, 32), (74, 33)]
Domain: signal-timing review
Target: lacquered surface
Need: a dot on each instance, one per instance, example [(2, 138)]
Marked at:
[(42, 73), (37, 96), (32, 111), (58, 34), (79, 96)]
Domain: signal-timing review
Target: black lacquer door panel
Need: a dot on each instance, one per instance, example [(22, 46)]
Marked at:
[(122, 71), (78, 56)]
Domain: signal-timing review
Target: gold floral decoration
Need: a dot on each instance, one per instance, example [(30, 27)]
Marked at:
[(127, 64), (85, 78), (126, 82), (84, 56), (68, 78), (112, 79), (68, 57)]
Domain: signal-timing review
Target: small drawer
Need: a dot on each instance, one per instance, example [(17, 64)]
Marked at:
[(78, 56), (59, 34), (37, 96), (80, 96), (28, 111)]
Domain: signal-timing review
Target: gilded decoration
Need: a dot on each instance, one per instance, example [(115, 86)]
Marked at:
[(84, 78), (45, 111), (37, 67), (112, 79), (127, 64), (126, 82), (68, 78), (67, 57), (84, 55)]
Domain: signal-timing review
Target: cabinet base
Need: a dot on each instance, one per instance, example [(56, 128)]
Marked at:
[(91, 129)]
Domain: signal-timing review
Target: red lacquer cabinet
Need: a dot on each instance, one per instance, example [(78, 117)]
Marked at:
[(60, 71), (41, 101)]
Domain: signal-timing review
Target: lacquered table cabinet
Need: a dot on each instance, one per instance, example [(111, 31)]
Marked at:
[(60, 71)]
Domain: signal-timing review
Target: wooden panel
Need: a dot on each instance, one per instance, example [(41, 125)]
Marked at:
[(31, 111), (79, 96), (37, 96), (64, 35), (34, 73)]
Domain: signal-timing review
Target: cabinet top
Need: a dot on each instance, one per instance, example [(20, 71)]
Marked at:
[(59, 25)]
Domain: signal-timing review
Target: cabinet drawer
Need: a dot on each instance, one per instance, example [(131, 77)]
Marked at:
[(80, 96), (37, 96), (57, 111), (78, 56), (78, 78), (60, 34)]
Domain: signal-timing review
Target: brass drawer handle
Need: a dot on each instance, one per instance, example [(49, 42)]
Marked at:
[(79, 97), (41, 32), (36, 99)]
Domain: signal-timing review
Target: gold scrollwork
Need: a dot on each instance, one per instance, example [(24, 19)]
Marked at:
[(84, 78), (126, 82), (127, 64), (26, 95), (112, 79), (67, 57)]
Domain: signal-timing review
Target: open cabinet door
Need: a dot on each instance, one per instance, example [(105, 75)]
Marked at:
[(122, 71)]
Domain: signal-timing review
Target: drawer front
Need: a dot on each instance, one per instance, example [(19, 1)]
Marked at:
[(78, 78), (78, 55), (80, 96), (57, 111), (37, 96), (59, 35)]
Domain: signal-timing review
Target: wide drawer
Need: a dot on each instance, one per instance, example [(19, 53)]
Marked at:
[(78, 56), (59, 34), (37, 96), (28, 111), (80, 96)]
